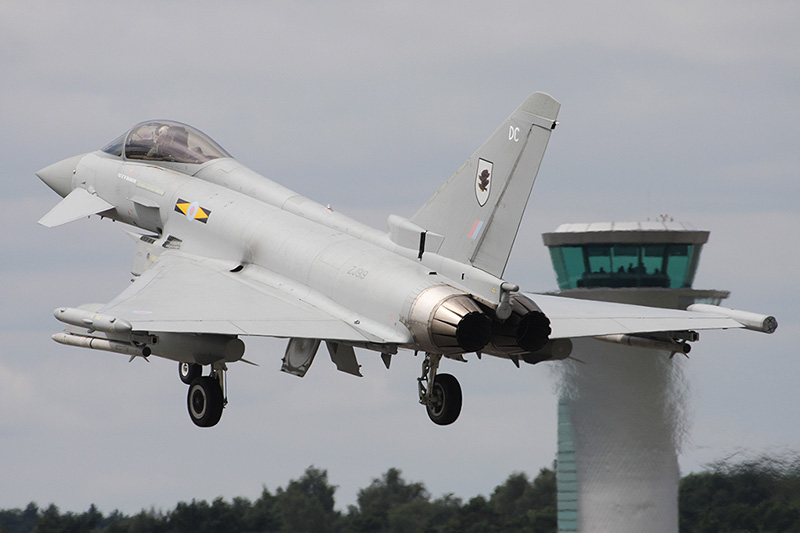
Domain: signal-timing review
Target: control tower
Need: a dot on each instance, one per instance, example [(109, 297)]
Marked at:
[(621, 408)]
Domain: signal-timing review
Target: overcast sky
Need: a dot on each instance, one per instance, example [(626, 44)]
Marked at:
[(686, 108)]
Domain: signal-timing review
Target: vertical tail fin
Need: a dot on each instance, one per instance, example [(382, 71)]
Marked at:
[(479, 209)]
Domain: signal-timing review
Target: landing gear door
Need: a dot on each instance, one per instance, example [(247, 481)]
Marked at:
[(299, 356), (344, 357)]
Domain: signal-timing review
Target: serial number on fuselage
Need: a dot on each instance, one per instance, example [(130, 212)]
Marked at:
[(359, 273)]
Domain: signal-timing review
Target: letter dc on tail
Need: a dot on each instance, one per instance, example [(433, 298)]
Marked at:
[(228, 253)]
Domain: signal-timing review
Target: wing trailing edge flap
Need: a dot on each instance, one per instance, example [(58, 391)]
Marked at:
[(186, 294), (77, 204), (572, 317)]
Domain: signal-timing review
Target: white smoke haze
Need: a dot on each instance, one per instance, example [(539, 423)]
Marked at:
[(627, 408)]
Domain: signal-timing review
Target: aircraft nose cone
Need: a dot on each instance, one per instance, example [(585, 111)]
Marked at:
[(58, 176)]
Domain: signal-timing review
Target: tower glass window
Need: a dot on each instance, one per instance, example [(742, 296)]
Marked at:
[(669, 265)]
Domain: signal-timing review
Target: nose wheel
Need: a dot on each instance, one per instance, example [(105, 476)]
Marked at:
[(206, 398), (439, 393)]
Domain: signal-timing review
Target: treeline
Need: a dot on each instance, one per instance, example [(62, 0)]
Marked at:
[(389, 503), (754, 495), (761, 495)]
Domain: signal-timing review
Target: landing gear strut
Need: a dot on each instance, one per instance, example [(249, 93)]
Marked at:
[(206, 397), (440, 394)]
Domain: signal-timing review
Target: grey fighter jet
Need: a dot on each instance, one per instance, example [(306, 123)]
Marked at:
[(226, 253)]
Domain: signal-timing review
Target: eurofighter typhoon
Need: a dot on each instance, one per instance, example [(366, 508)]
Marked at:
[(227, 253)]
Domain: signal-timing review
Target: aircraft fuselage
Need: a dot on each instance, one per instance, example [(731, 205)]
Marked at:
[(232, 253), (248, 221)]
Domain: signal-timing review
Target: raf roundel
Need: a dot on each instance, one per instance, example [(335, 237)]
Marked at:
[(192, 210)]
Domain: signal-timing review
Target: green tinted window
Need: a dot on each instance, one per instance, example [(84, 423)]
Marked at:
[(568, 264), (598, 258), (615, 265)]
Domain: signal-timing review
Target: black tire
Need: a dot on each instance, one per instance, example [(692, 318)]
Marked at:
[(205, 401), (446, 399), (189, 371)]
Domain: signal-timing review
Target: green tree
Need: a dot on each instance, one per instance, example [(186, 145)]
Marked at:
[(443, 511), (477, 516), (409, 517), (90, 520), (756, 495), (306, 505), (382, 495), (187, 516), (527, 506), (143, 522), (262, 515), (16, 520), (223, 518), (51, 521)]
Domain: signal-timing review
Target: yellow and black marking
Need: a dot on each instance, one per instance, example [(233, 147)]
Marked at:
[(192, 210)]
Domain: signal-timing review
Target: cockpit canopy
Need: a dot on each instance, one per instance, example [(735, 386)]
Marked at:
[(166, 141)]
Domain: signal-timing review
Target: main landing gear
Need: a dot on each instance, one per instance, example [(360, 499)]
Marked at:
[(439, 393), (206, 397)]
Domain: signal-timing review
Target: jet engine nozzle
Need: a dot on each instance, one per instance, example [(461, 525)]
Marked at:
[(446, 321), (526, 330)]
